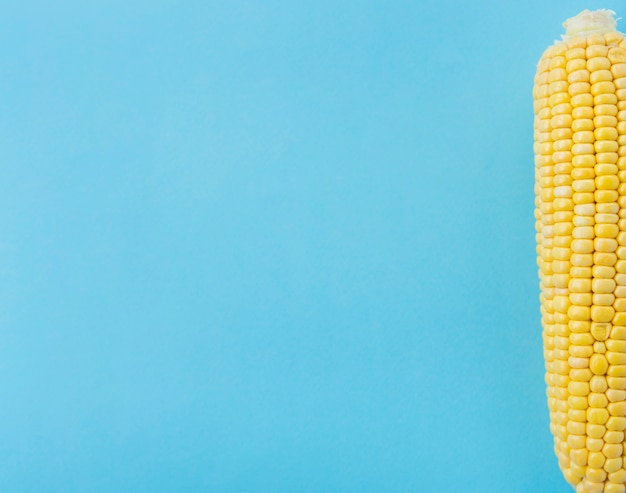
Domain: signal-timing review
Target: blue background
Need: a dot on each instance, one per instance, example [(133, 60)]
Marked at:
[(271, 246)]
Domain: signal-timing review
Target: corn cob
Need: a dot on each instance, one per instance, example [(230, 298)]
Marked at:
[(580, 186)]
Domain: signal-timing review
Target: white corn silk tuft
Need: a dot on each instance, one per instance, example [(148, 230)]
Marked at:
[(587, 23)]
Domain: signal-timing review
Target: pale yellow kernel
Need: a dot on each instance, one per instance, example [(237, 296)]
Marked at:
[(595, 77), (607, 218), (612, 465), (616, 345), (621, 251), (580, 285), (561, 254), (584, 185), (577, 415), (607, 182), (561, 204), (582, 260), (593, 482), (578, 388), (574, 473), (618, 383), (600, 348), (600, 331), (613, 487), (583, 198), (583, 299), (597, 88), (596, 62), (579, 125), (575, 338), (597, 416), (577, 374), (617, 371), (595, 444), (602, 314), (579, 100), (585, 232), (614, 436), (615, 54), (612, 450), (578, 271), (619, 319), (604, 258), (612, 38), (602, 285), (581, 173), (605, 230), (608, 98), (615, 358), (603, 299), (579, 148), (596, 48), (598, 384), (580, 75), (600, 196), (604, 245), (562, 266), (577, 428), (577, 113), (618, 476), (604, 118), (579, 456), (577, 441), (618, 70), (598, 364), (573, 89), (581, 313), (578, 327), (562, 303), (583, 165), (619, 304), (597, 399), (577, 49), (604, 168), (596, 459), (580, 351), (563, 343), (565, 157), (582, 245), (616, 423), (566, 190), (599, 271), (563, 216), (560, 380)]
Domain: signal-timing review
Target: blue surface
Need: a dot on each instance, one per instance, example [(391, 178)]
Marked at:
[(271, 246)]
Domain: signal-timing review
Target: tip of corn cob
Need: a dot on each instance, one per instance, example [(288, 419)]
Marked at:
[(587, 22)]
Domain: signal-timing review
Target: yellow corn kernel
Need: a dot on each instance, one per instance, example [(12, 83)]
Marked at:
[(613, 465), (596, 459), (598, 364), (600, 331), (616, 423), (613, 436), (597, 416), (579, 457), (618, 476), (616, 371), (578, 388), (614, 487), (598, 384)]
